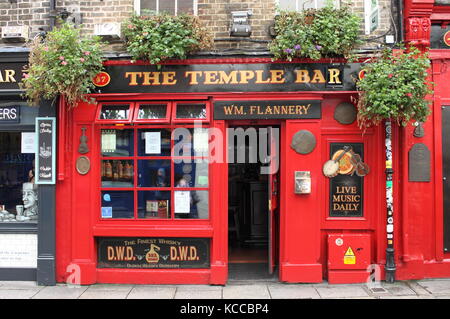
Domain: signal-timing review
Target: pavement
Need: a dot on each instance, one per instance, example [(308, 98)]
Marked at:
[(239, 289)]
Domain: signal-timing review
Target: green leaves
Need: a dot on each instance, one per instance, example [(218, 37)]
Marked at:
[(395, 87), (63, 63), (159, 37), (314, 34)]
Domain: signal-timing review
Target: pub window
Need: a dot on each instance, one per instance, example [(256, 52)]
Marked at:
[(299, 5), (190, 112), (114, 112), (173, 7), (18, 192), (154, 172), (152, 112)]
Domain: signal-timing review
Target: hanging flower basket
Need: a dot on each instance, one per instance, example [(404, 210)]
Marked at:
[(395, 87), (159, 37), (63, 63), (315, 34)]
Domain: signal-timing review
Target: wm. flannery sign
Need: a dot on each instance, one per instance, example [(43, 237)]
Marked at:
[(258, 77)]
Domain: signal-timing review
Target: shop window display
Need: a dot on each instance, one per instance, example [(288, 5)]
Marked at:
[(18, 193), (144, 177)]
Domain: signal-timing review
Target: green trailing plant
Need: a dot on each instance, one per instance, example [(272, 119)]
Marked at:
[(315, 34), (395, 87), (159, 37), (62, 63)]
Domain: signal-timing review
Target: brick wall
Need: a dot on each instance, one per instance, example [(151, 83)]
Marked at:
[(214, 13)]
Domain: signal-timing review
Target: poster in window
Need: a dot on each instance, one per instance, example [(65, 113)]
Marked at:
[(182, 202), (46, 155), (108, 141), (28, 145), (152, 142)]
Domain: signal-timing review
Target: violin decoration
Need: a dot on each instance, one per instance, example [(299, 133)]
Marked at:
[(83, 147), (345, 162)]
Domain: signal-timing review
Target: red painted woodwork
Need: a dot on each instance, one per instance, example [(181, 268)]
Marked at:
[(303, 225)]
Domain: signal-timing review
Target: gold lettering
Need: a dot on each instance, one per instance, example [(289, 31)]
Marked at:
[(276, 109), (268, 109), (298, 109), (277, 76), (9, 76), (151, 78), (192, 76), (133, 77), (228, 109), (211, 77), (259, 80), (169, 78), (318, 77), (306, 108), (334, 76), (302, 76), (230, 78), (245, 76)]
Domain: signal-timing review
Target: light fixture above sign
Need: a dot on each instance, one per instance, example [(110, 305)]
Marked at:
[(15, 33), (109, 31), (240, 25)]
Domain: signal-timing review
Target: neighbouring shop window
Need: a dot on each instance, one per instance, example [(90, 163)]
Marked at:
[(173, 7), (299, 5), (18, 192), (154, 173)]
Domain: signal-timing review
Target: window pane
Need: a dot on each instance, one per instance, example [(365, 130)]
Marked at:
[(191, 142), (117, 143), (191, 204), (148, 5), (117, 173), (191, 174), (185, 6), (191, 111), (115, 112), (154, 204), (154, 173), (167, 6), (18, 193), (152, 111), (287, 5), (154, 142), (117, 204)]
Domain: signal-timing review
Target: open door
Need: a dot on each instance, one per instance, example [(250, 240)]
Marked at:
[(273, 195)]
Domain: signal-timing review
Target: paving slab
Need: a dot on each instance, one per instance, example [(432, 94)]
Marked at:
[(439, 286), (110, 287), (18, 294), (418, 289), (19, 285), (292, 292), (198, 294), (246, 292), (199, 288), (398, 289), (342, 291), (149, 292), (60, 292), (105, 294)]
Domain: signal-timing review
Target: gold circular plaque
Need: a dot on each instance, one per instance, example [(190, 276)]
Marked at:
[(83, 165)]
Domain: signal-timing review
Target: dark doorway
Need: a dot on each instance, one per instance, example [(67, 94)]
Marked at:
[(251, 241)]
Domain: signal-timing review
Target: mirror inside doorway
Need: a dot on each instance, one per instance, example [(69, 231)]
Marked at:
[(249, 192)]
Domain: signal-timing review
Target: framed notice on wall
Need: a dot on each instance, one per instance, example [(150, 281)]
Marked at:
[(45, 167), (346, 188)]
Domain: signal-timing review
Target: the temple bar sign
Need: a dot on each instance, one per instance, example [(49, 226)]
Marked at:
[(298, 109), (258, 77)]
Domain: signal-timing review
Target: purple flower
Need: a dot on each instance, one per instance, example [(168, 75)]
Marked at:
[(318, 47), (288, 51), (297, 47)]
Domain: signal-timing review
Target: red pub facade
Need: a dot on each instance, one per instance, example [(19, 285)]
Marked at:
[(149, 190)]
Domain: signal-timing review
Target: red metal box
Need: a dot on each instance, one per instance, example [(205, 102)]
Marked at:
[(348, 251)]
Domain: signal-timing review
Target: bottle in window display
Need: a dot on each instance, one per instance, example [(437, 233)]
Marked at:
[(120, 170), (115, 170), (108, 170)]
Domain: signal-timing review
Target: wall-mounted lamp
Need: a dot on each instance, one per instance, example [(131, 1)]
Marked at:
[(240, 25)]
